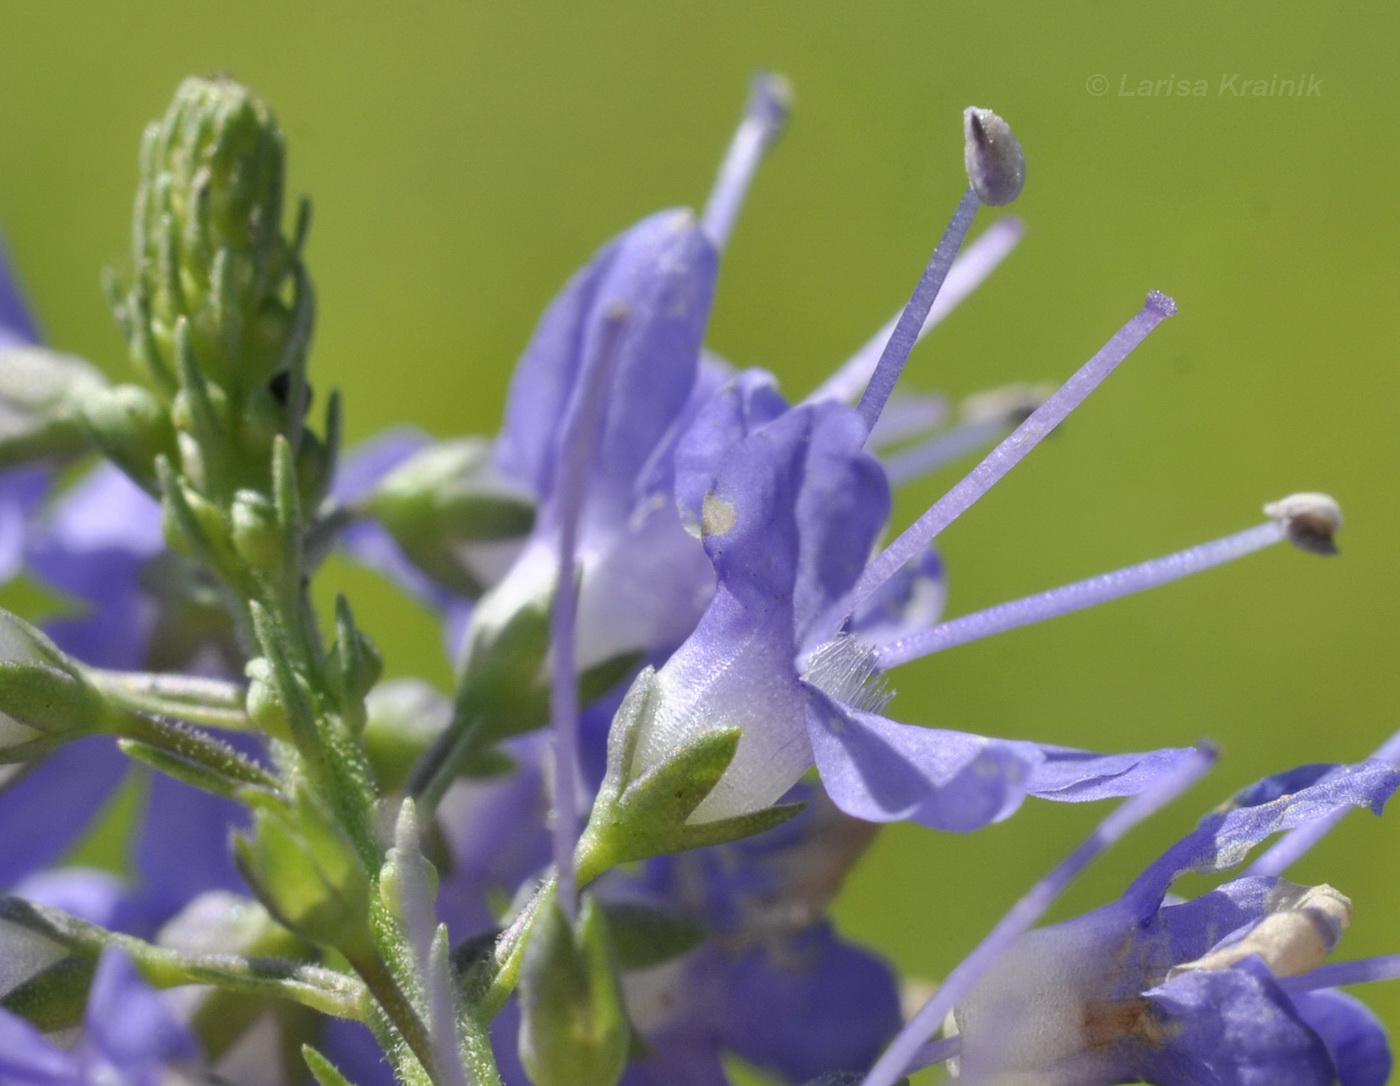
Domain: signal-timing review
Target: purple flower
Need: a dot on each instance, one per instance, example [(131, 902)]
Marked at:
[(643, 581), (1217, 989), (789, 517), (129, 1036)]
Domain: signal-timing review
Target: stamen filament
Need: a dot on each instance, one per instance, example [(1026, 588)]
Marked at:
[(576, 447), (1336, 974), (765, 114), (1292, 846), (1011, 451), (935, 1052), (916, 311), (971, 267), (1080, 595), (897, 1059)]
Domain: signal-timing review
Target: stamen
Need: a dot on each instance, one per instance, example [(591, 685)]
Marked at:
[(1336, 974), (908, 417), (916, 311), (1010, 452), (911, 1039), (1292, 846), (996, 170), (996, 167), (985, 418), (1089, 593), (765, 114), (972, 266), (576, 456)]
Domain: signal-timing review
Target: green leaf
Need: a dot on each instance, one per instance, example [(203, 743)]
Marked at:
[(324, 1072)]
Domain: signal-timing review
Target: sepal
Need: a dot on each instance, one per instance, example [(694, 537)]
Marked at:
[(640, 815), (355, 664), (322, 1070), (574, 1029), (55, 997)]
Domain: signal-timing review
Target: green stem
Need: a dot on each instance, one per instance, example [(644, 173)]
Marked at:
[(211, 703), (190, 745), (322, 990), (479, 1057), (395, 1004), (437, 769), (490, 984)]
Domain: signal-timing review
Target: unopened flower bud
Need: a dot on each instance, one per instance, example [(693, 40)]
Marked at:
[(306, 872), (41, 395), (264, 704), (444, 500), (257, 536), (574, 1030), (43, 694), (131, 427), (996, 168)]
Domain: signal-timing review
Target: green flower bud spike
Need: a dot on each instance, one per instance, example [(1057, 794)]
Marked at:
[(220, 309), (208, 235)]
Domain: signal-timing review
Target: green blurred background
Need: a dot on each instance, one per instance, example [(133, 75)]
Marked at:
[(464, 159)]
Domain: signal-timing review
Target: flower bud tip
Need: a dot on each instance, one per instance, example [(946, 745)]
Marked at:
[(996, 167), (1311, 520)]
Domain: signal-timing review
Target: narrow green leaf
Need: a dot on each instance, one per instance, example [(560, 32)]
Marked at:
[(324, 1072)]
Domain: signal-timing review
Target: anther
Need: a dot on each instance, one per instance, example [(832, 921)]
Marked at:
[(996, 166), (1311, 521)]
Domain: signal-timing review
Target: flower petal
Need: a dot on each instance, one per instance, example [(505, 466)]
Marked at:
[(809, 1003), (1352, 1033), (877, 769), (1234, 1027), (662, 273), (1276, 803), (45, 807)]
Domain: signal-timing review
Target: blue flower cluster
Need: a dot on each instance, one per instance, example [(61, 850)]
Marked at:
[(718, 551)]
